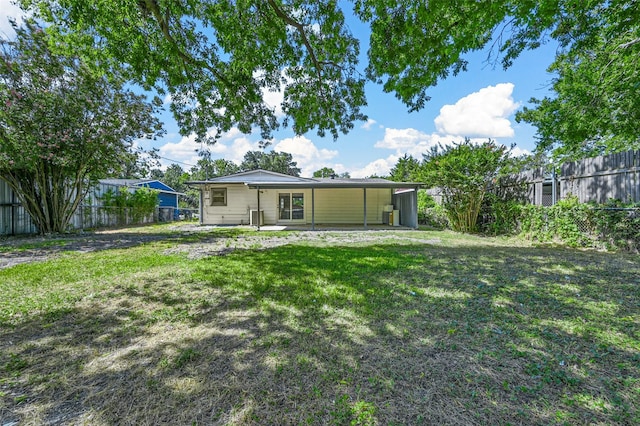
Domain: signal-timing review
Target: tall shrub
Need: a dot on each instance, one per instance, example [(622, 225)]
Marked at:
[(62, 126), (135, 205), (464, 172)]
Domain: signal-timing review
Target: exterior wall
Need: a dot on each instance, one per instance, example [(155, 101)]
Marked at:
[(407, 203), (240, 201), (167, 200), (346, 205), (332, 206)]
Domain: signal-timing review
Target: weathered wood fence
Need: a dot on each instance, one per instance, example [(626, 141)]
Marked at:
[(15, 220), (598, 179)]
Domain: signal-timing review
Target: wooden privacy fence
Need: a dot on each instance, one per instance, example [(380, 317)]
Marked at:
[(598, 179)]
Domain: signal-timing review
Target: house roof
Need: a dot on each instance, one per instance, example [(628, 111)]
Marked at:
[(267, 179), (137, 183)]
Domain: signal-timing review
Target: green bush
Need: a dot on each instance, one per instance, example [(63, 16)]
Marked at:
[(435, 217), (617, 224), (613, 225), (500, 216), (134, 205), (464, 172)]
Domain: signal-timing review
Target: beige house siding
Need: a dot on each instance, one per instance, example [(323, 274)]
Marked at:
[(339, 205), (240, 201), (346, 205)]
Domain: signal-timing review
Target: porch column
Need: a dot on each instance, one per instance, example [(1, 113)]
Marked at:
[(313, 210), (365, 207), (201, 206), (258, 190)]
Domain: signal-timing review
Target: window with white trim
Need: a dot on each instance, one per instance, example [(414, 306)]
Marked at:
[(218, 196)]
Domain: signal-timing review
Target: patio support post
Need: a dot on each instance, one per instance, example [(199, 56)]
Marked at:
[(258, 189), (201, 207), (313, 210), (365, 207)]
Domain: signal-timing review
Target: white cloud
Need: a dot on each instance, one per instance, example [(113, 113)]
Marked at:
[(367, 126), (238, 148), (231, 145), (306, 154), (184, 151), (9, 10), (481, 114), (379, 167), (273, 98), (517, 152), (413, 142)]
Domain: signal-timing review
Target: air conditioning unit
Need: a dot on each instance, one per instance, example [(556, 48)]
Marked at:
[(254, 217)]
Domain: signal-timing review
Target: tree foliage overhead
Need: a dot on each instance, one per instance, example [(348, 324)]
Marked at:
[(596, 107), (61, 127), (218, 59)]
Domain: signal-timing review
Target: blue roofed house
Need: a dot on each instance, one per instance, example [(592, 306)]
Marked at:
[(167, 196)]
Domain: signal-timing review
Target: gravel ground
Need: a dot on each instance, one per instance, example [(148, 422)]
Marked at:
[(49, 247)]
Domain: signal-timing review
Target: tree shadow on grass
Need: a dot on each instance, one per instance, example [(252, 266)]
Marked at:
[(393, 334)]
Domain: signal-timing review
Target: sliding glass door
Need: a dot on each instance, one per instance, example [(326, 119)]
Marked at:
[(291, 206)]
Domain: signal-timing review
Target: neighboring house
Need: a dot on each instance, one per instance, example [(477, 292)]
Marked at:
[(278, 199), (167, 196)]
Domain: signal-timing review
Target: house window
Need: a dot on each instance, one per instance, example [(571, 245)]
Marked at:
[(219, 197)]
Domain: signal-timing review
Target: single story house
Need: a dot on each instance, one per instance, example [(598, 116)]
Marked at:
[(261, 197), (167, 196)]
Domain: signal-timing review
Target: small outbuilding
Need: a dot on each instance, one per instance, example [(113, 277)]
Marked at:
[(261, 197)]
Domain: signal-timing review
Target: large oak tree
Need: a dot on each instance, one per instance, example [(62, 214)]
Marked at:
[(217, 59), (62, 127)]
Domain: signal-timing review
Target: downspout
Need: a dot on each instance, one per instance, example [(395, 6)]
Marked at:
[(13, 212)]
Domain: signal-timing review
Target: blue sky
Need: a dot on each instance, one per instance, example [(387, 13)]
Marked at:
[(479, 103)]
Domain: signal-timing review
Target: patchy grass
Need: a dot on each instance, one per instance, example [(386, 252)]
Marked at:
[(465, 330)]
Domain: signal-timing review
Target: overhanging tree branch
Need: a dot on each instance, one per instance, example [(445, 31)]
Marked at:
[(163, 23)]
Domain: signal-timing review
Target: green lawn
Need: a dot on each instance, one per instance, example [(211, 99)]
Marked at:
[(458, 330)]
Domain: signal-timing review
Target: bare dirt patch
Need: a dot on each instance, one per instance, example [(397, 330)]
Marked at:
[(18, 250)]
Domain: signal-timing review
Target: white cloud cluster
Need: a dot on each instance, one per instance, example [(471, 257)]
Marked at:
[(306, 154), (368, 124), (481, 114), (379, 167), (231, 146)]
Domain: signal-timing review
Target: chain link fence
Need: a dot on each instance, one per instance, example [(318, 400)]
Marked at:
[(586, 226)]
